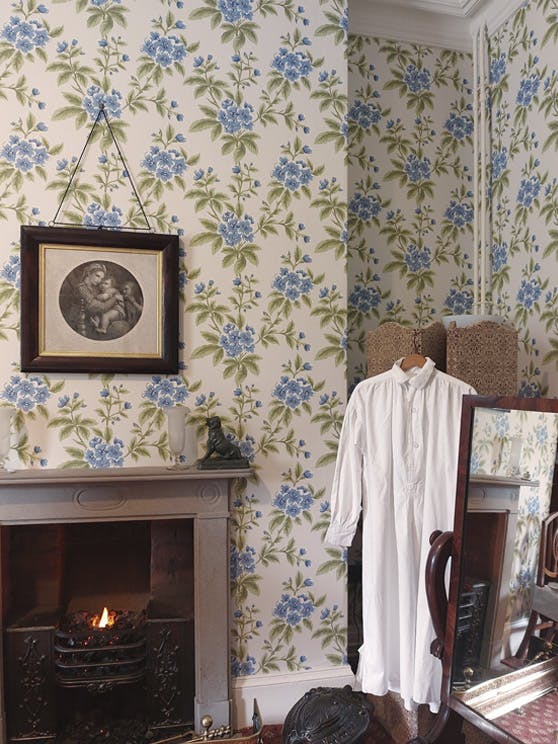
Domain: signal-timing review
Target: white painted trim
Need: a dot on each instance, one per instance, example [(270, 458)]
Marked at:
[(388, 21), (427, 22), (495, 14), (460, 8), (277, 693)]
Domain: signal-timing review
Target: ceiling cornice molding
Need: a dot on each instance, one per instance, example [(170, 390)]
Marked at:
[(449, 24), (494, 14), (388, 20), (459, 8)]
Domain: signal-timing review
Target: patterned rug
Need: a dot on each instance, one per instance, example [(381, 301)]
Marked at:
[(534, 723)]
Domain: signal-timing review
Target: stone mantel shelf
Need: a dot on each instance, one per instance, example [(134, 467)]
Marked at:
[(60, 495), (116, 475)]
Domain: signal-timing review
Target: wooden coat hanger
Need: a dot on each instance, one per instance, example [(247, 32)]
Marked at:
[(414, 359)]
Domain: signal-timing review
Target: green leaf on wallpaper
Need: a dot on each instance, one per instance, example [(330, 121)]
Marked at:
[(552, 139)]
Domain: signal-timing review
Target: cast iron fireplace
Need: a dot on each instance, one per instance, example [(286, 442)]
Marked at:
[(115, 614)]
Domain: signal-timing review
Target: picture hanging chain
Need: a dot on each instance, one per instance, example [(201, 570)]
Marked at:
[(126, 171)]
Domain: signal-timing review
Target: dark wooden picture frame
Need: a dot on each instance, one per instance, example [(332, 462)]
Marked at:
[(98, 301)]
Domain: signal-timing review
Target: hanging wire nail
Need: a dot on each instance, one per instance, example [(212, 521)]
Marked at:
[(102, 113)]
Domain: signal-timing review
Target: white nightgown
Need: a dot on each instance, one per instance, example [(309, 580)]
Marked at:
[(397, 461)]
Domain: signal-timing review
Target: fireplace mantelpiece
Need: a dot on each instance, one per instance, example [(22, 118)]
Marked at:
[(72, 496)]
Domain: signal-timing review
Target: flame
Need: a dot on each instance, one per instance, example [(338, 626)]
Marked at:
[(104, 620)]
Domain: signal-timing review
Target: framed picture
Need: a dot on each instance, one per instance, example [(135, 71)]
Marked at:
[(98, 301)]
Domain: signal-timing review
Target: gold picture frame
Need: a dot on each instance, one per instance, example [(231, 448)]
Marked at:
[(98, 301)]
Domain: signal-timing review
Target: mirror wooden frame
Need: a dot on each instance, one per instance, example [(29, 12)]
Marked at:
[(447, 728)]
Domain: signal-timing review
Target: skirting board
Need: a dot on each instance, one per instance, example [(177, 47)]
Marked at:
[(277, 693)]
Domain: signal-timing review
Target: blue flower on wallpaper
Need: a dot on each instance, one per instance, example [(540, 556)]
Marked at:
[(459, 214), (497, 68), (292, 284), (529, 390), (293, 610), (26, 392), (523, 580), (344, 20), (292, 174), (459, 301), (24, 35), (247, 447), (499, 255), (164, 164), (242, 562), (459, 126), (364, 299), (533, 506), (96, 216), (417, 79), (528, 190), (243, 668), (293, 392), (111, 101), (527, 90), (100, 3), (24, 154), (11, 271), (292, 65), (416, 169), (365, 207), (417, 258), (529, 292), (541, 434), (499, 162), (364, 114), (164, 50), (501, 424), (235, 10), (101, 454), (166, 391), (235, 230), (233, 117), (474, 462), (293, 500), (234, 341)]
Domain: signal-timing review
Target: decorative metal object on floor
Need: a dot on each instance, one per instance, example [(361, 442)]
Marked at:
[(328, 715), (223, 734)]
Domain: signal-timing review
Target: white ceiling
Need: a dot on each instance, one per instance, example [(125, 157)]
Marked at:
[(445, 23)]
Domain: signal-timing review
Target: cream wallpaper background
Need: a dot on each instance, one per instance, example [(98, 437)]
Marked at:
[(319, 185), (231, 115)]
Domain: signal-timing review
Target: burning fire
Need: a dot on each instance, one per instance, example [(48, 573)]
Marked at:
[(104, 620)]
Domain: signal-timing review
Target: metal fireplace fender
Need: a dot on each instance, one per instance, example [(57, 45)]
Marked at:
[(75, 496)]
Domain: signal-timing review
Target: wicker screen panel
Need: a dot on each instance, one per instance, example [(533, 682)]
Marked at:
[(484, 354), (391, 341)]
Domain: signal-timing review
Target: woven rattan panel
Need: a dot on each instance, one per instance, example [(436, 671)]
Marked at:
[(391, 341), (485, 355)]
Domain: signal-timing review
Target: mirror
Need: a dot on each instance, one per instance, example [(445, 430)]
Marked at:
[(501, 656)]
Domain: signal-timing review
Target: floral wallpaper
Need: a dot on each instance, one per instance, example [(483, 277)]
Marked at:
[(524, 188), (232, 117), (411, 206)]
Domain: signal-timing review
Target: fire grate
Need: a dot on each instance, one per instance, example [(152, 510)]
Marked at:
[(96, 657)]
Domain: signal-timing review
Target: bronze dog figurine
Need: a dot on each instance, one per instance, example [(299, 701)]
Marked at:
[(218, 444)]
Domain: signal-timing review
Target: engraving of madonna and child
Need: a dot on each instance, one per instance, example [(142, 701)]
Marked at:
[(101, 300)]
